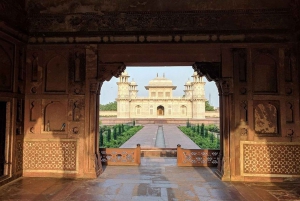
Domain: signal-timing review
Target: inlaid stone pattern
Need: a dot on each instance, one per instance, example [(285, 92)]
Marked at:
[(19, 156), (271, 159), (50, 155)]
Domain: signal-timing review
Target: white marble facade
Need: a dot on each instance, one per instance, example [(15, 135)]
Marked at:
[(160, 102)]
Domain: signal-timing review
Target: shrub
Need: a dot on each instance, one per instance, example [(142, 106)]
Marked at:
[(203, 142), (121, 138)]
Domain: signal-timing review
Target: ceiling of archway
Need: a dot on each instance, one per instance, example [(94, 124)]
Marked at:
[(143, 20)]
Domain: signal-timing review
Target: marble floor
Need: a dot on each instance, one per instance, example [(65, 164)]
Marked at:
[(156, 179)]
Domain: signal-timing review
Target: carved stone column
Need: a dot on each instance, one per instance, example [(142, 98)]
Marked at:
[(94, 161), (212, 71), (225, 86)]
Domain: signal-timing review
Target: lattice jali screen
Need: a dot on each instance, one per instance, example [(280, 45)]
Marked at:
[(270, 158), (50, 155), (197, 157), (120, 156), (19, 156)]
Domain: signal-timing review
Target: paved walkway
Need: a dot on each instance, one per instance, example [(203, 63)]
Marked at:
[(157, 179), (147, 135)]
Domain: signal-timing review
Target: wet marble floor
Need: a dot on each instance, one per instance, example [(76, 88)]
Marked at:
[(157, 179)]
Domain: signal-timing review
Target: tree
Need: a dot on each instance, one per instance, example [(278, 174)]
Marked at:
[(208, 107), (202, 130), (101, 138), (108, 135), (188, 124), (112, 106), (115, 133), (206, 133), (120, 132), (213, 128), (212, 138)]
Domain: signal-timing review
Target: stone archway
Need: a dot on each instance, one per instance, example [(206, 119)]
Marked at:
[(211, 68)]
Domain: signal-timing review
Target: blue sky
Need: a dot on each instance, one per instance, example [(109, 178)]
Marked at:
[(142, 76)]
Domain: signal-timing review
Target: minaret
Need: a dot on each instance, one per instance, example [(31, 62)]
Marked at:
[(188, 92), (133, 89), (198, 97), (123, 96)]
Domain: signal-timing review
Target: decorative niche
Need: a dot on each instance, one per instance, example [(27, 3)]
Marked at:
[(266, 118), (55, 118), (265, 74), (56, 75)]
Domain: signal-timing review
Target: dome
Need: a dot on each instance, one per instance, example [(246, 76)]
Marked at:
[(160, 82), (188, 82), (133, 83), (195, 73), (124, 73)]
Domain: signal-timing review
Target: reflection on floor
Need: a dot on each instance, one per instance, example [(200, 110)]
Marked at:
[(155, 179)]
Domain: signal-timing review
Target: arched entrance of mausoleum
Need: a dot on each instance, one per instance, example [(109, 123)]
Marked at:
[(160, 110)]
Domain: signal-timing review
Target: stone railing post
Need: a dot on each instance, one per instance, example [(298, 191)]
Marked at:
[(179, 154), (138, 154)]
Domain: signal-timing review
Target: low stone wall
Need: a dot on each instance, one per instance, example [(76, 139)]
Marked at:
[(108, 113), (142, 121), (210, 114)]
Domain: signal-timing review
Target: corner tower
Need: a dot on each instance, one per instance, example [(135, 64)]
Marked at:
[(188, 91), (198, 98), (123, 96), (133, 89)]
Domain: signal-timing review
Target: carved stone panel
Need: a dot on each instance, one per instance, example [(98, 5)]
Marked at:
[(265, 74), (244, 111), (20, 110), (21, 64), (266, 116), (288, 69), (289, 111), (34, 67), (240, 63), (76, 108), (77, 71)]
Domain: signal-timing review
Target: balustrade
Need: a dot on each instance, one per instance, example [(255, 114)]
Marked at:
[(121, 156), (197, 157)]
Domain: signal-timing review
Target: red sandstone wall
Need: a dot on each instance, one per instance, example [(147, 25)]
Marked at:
[(12, 87)]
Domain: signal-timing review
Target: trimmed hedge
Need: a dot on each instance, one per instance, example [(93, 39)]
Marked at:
[(125, 132), (206, 141)]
